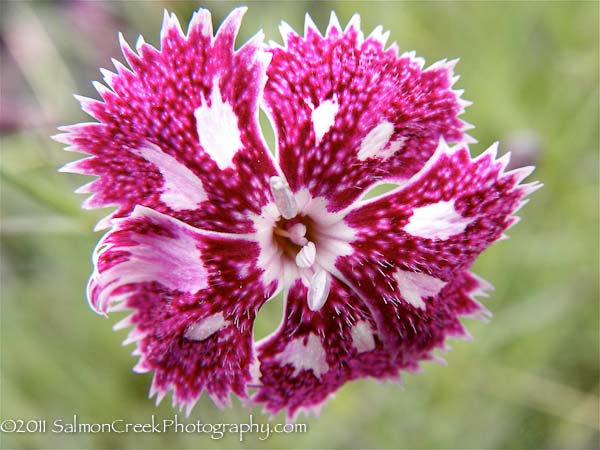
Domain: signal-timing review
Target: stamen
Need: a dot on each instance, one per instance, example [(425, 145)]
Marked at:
[(297, 233), (306, 256), (318, 290), (284, 199), (281, 232)]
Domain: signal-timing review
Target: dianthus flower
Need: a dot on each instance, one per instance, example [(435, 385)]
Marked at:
[(210, 226)]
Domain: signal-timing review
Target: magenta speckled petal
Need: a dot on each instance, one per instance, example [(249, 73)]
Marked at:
[(350, 113), (313, 354), (179, 131), (194, 296), (413, 242)]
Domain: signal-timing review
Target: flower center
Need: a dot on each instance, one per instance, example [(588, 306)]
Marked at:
[(300, 239), (294, 238), (290, 230)]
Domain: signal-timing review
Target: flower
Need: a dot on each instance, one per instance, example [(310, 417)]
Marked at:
[(210, 225)]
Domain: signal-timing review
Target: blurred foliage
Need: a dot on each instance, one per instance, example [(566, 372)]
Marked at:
[(530, 379)]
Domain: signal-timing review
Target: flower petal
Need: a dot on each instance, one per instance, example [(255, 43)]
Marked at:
[(313, 353), (349, 113), (194, 295), (415, 240), (179, 131), (446, 215)]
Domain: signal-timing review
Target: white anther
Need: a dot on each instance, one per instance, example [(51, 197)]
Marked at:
[(284, 199), (297, 233), (306, 256), (318, 290)]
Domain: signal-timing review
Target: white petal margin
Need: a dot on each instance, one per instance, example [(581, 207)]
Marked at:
[(310, 355), (205, 328), (437, 221), (416, 287), (175, 262), (182, 189), (218, 128)]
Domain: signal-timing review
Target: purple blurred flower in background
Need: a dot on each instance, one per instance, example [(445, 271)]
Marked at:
[(210, 226)]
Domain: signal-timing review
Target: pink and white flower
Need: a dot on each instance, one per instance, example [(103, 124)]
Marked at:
[(210, 225)]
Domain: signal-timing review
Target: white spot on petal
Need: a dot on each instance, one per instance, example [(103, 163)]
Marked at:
[(394, 146), (205, 328), (376, 140), (415, 287), (323, 117), (437, 221), (362, 337), (309, 356), (218, 129), (182, 189)]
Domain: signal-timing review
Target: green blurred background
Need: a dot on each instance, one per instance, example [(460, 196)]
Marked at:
[(530, 378)]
